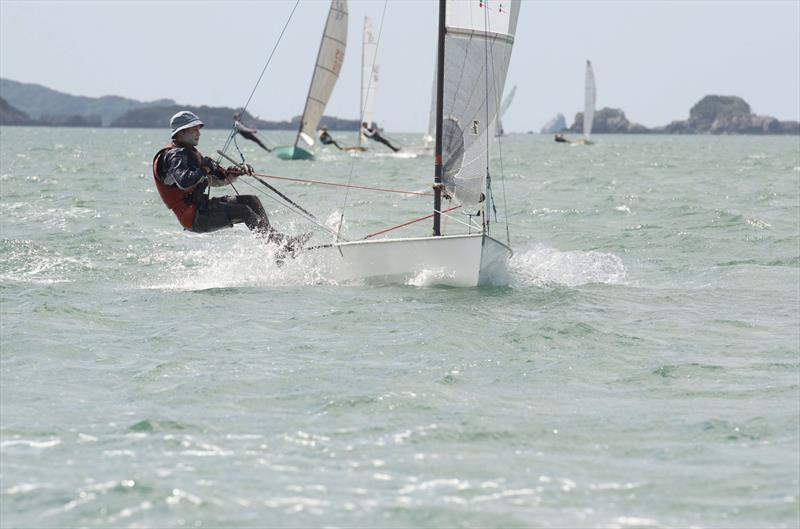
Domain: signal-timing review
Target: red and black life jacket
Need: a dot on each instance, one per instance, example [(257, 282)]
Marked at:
[(181, 201)]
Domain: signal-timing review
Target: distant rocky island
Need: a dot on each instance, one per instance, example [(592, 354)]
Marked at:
[(29, 104), (35, 105), (711, 115)]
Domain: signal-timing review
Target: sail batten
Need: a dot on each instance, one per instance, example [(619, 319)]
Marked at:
[(326, 71), (508, 39)]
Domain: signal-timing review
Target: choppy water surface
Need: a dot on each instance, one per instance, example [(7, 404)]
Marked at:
[(641, 370)]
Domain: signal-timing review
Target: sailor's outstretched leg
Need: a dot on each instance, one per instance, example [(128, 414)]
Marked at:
[(385, 142), (224, 212), (252, 137)]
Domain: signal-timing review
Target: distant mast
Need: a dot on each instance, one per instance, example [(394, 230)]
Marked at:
[(589, 99), (369, 75)]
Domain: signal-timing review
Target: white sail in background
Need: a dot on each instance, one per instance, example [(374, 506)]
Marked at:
[(503, 108), (369, 71), (589, 101), (430, 134), (326, 71), (475, 29), (369, 75)]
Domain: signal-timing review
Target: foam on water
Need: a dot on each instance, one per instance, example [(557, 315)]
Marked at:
[(401, 155), (427, 278), (245, 263), (27, 262), (541, 265)]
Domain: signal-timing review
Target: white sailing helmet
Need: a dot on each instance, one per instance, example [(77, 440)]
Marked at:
[(184, 120)]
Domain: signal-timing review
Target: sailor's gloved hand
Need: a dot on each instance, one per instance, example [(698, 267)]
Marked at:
[(211, 167), (208, 165), (234, 170)]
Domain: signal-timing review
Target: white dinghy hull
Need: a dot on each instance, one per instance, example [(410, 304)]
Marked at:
[(452, 260)]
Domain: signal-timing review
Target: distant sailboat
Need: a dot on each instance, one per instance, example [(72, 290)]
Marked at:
[(369, 81), (430, 134), (590, 96), (369, 76), (326, 72), (506, 103)]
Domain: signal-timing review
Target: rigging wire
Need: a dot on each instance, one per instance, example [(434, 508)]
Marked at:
[(361, 120), (300, 212), (335, 184), (412, 222)]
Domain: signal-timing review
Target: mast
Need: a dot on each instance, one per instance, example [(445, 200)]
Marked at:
[(361, 100), (437, 175)]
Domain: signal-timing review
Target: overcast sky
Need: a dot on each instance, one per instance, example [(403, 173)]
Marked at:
[(652, 59)]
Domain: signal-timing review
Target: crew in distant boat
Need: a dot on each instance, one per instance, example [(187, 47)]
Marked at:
[(561, 139), (247, 132), (327, 139), (182, 176), (373, 132)]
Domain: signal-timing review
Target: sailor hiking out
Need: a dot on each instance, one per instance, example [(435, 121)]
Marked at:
[(247, 132), (182, 176), (372, 132), (326, 139)]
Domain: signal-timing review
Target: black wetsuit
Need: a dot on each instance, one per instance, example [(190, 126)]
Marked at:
[(373, 134), (326, 139), (249, 134)]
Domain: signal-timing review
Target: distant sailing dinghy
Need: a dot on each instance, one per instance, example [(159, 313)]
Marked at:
[(589, 98), (369, 81), (429, 138), (503, 108), (326, 72), (474, 48)]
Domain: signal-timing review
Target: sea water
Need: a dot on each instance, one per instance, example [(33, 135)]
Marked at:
[(641, 369)]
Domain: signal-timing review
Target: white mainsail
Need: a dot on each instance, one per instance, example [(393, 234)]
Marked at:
[(589, 101), (503, 108), (326, 71), (369, 73), (478, 44)]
